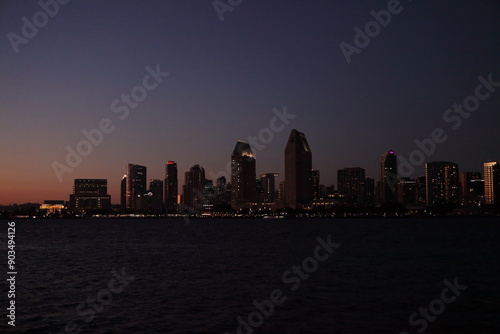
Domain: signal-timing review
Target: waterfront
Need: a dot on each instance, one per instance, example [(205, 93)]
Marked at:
[(198, 277)]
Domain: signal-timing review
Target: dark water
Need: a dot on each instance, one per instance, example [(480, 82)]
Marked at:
[(199, 277)]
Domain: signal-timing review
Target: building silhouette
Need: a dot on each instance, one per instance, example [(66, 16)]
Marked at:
[(136, 187), (90, 194), (315, 184), (123, 193), (369, 192), (388, 178), (298, 167), (269, 187), (194, 184), (244, 187), (171, 186), (155, 196), (472, 188), (421, 190), (443, 185), (407, 191), (351, 183)]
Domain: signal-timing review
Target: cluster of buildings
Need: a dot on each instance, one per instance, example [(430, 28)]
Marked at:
[(441, 186)]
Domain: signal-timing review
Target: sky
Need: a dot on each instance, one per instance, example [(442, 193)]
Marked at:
[(225, 78)]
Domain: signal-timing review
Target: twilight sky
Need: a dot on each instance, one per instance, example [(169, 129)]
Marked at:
[(226, 77)]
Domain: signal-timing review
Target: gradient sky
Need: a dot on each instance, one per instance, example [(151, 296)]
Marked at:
[(226, 78)]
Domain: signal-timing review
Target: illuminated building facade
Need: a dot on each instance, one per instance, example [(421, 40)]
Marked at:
[(136, 184), (442, 183), (492, 182), (90, 194)]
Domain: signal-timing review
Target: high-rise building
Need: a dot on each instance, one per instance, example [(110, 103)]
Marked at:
[(369, 192), (388, 178), (280, 195), (221, 185), (171, 186), (298, 166), (269, 187), (407, 191), (421, 190), (208, 195), (351, 184), (315, 184), (194, 185), (472, 187), (492, 182), (155, 194), (90, 194), (136, 186), (123, 193), (244, 187), (443, 186)]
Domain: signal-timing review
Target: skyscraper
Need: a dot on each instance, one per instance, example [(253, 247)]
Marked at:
[(369, 192), (244, 188), (171, 186), (351, 183), (155, 193), (269, 187), (136, 186), (421, 190), (90, 194), (194, 184), (298, 166), (315, 184), (442, 183), (388, 178), (492, 182), (123, 193), (472, 187), (407, 191)]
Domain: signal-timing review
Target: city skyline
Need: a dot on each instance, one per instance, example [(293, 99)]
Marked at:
[(265, 69), (388, 164), (441, 180)]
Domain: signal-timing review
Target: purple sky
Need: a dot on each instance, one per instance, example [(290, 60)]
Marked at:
[(226, 77)]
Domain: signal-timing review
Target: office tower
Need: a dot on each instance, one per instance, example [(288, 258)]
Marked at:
[(369, 192), (298, 166), (136, 186), (351, 183), (194, 185), (155, 194), (315, 184), (90, 194), (442, 184), (222, 200), (123, 193), (208, 195), (280, 196), (269, 187), (171, 186), (421, 190), (244, 188), (491, 182), (472, 187), (407, 191), (221, 185), (388, 178)]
